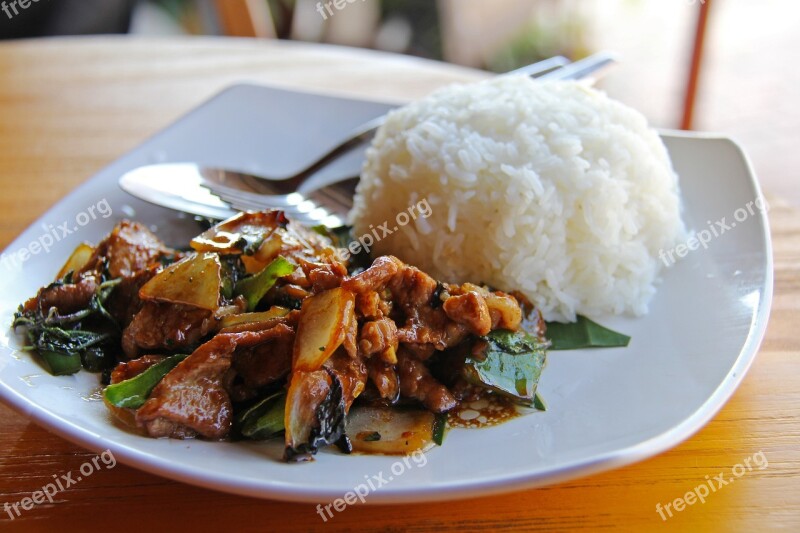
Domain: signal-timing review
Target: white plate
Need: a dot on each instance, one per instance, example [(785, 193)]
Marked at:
[(607, 408)]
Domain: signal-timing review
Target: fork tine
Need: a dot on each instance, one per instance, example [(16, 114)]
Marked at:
[(263, 203), (324, 206), (276, 200), (258, 205), (330, 199)]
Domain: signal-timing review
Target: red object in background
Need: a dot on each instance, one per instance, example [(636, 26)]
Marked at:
[(695, 66)]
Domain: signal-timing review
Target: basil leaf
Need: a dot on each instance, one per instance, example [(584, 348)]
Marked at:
[(583, 334), (510, 364), (264, 419), (59, 339)]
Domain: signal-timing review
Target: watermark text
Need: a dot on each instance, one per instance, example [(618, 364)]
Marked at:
[(55, 233), (712, 231), (328, 9), (711, 485), (372, 483), (366, 241), (60, 483)]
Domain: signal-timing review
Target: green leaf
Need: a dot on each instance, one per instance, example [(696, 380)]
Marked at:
[(538, 402), (254, 288), (132, 393), (264, 419), (510, 364), (61, 364), (583, 334), (231, 272), (97, 303), (341, 236), (59, 340), (65, 341), (439, 428)]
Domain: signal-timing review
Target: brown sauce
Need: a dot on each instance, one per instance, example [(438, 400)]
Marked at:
[(488, 410)]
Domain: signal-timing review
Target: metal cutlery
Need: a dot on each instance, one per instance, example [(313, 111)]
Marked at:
[(219, 193)]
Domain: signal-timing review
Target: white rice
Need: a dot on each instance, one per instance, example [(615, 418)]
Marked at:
[(550, 188)]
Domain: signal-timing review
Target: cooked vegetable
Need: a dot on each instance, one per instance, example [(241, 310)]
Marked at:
[(391, 431), (60, 340), (232, 271), (510, 364), (272, 313), (61, 348), (253, 288), (440, 428), (240, 234), (132, 393), (322, 327), (263, 252), (583, 334), (306, 391), (99, 298), (265, 419), (538, 402), (60, 363), (193, 281), (126, 416), (79, 258), (311, 419), (331, 418)]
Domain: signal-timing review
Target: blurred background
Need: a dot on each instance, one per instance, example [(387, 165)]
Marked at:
[(743, 81)]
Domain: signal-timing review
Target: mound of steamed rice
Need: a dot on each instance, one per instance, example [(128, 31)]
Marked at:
[(549, 188)]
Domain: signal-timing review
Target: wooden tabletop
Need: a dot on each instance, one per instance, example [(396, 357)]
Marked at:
[(70, 106)]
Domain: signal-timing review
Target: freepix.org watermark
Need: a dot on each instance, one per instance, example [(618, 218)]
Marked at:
[(366, 241), (53, 234), (12, 7), (60, 483), (371, 484), (326, 9), (712, 231), (712, 485)]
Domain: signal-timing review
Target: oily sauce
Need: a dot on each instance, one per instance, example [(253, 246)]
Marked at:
[(486, 411)]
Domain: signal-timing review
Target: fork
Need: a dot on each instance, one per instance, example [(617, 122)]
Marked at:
[(365, 131), (326, 205)]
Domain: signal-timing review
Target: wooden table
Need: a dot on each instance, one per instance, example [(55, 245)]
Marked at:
[(70, 106)]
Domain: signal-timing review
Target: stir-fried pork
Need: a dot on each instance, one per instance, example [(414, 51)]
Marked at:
[(165, 326), (268, 361), (416, 382), (192, 400), (66, 297)]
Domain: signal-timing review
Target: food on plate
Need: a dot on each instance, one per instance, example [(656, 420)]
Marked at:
[(546, 200), (548, 188), (261, 329)]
